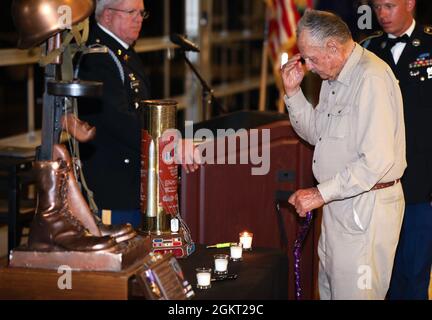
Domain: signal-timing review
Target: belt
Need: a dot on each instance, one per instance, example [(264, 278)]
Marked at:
[(385, 184)]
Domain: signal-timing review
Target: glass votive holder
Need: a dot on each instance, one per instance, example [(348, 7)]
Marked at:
[(246, 239), (236, 251), (221, 263), (203, 278)]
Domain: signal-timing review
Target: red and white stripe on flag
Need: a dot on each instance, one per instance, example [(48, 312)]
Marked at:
[(282, 26), (284, 16)]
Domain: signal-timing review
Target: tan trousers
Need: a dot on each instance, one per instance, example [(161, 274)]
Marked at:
[(358, 244)]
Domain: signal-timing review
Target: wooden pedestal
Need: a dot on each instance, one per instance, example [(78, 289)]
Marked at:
[(126, 254), (40, 284), (97, 275)]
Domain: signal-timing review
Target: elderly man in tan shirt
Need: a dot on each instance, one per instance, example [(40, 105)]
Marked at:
[(358, 132)]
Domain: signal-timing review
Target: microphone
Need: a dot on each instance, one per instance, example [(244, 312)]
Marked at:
[(184, 43)]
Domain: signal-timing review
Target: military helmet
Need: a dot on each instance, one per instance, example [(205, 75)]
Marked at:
[(38, 20)]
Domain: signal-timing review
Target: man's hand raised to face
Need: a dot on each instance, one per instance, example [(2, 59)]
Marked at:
[(292, 75)]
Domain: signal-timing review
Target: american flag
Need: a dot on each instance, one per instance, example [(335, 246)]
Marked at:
[(283, 18)]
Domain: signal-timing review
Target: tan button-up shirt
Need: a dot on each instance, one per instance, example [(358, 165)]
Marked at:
[(357, 127)]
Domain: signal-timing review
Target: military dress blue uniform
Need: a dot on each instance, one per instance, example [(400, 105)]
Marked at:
[(111, 162), (412, 268)]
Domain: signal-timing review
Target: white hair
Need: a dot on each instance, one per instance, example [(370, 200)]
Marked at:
[(101, 5), (322, 25)]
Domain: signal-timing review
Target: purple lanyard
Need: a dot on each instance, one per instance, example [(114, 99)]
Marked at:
[(301, 235)]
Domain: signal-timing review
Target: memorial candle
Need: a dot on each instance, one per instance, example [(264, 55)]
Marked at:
[(221, 263), (236, 251), (246, 240), (203, 278)]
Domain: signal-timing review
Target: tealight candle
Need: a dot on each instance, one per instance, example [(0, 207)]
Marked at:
[(236, 250), (221, 263), (203, 278), (246, 240)]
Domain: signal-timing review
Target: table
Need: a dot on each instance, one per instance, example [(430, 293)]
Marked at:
[(263, 275)]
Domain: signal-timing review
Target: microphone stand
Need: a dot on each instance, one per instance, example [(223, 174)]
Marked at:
[(208, 97)]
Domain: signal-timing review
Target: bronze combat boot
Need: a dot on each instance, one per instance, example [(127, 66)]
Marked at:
[(80, 130), (80, 209), (54, 227)]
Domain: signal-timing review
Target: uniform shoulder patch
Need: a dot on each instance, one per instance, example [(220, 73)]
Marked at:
[(428, 30), (367, 40)]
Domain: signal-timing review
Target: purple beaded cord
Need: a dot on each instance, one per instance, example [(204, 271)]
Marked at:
[(301, 235)]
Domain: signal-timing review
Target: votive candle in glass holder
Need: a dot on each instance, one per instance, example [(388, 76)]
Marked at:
[(236, 251), (203, 278), (246, 239), (221, 263)]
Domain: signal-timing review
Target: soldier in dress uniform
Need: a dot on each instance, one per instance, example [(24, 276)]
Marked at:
[(111, 162), (407, 48)]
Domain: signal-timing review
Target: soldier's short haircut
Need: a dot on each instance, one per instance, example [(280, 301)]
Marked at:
[(322, 25), (102, 4)]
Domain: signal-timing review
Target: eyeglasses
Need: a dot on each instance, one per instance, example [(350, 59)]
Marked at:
[(134, 13)]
